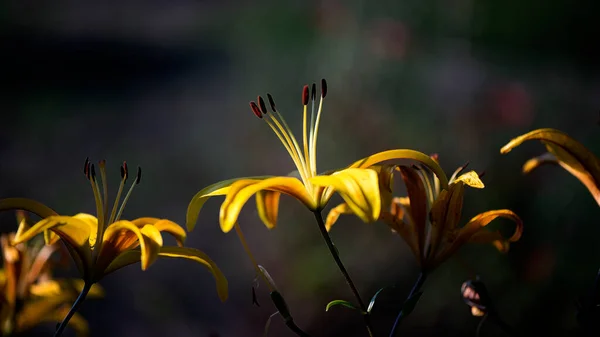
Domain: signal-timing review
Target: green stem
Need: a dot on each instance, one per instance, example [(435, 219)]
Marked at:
[(416, 287), (338, 261), (86, 288)]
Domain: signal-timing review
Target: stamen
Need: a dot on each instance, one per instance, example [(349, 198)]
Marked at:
[(86, 168), (124, 174), (312, 129), (481, 174), (323, 88), (102, 165), (261, 105), (271, 102), (313, 154), (135, 182), (304, 109), (255, 109), (305, 95), (458, 171), (98, 199)]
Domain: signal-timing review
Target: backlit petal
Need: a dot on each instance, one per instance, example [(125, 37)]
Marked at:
[(164, 225), (572, 156), (533, 163), (34, 207), (418, 203), (267, 204), (394, 218), (470, 178), (358, 187), (335, 213), (220, 188), (241, 191), (133, 256)]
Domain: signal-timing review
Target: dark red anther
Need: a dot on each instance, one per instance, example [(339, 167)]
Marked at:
[(124, 172), (139, 176), (481, 174), (313, 92), (92, 172), (261, 105), (86, 168), (323, 88), (255, 109), (271, 102), (305, 95)]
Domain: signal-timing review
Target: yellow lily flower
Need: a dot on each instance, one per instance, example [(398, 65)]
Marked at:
[(100, 245), (357, 184), (565, 151), (29, 294), (427, 219)]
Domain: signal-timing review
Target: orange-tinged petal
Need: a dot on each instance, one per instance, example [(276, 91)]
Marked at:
[(242, 190), (418, 203), (267, 204), (123, 235), (470, 178), (358, 187), (335, 213), (76, 231), (478, 223), (164, 225), (533, 163), (133, 256), (571, 155), (220, 188), (394, 218), (34, 207)]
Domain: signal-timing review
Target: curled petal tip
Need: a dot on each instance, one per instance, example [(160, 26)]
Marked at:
[(305, 95), (255, 109)]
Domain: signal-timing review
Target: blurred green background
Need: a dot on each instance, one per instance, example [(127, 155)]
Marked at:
[(166, 85)]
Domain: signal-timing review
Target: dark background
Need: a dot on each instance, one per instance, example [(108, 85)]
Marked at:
[(166, 85)]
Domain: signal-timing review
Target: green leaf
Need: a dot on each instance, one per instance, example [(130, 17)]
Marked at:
[(372, 303), (342, 303)]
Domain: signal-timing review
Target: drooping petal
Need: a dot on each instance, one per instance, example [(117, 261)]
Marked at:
[(76, 231), (335, 213), (267, 204), (394, 218), (133, 256), (123, 235), (163, 225), (418, 204), (220, 188), (477, 224), (400, 154), (358, 187), (34, 207), (571, 155), (535, 162), (241, 191)]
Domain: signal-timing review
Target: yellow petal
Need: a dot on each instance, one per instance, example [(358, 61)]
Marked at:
[(34, 312), (335, 213), (572, 156), (34, 207), (470, 178), (220, 188), (400, 154), (242, 190), (358, 187), (533, 163), (394, 218), (133, 256), (76, 231), (418, 204), (164, 225), (123, 235), (478, 224), (267, 204)]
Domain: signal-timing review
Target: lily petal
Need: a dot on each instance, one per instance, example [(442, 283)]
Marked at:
[(335, 213), (220, 188), (34, 207), (418, 203), (404, 154), (477, 224), (470, 178), (267, 204), (533, 163), (76, 231), (242, 190), (132, 256), (394, 218), (571, 155), (123, 235), (164, 225), (358, 187), (36, 311)]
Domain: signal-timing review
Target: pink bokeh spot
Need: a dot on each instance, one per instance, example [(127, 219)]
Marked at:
[(389, 39), (513, 104)]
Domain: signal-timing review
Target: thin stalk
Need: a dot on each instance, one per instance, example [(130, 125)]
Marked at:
[(416, 287), (338, 261), (86, 288)]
